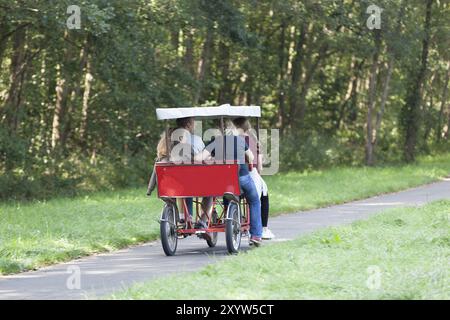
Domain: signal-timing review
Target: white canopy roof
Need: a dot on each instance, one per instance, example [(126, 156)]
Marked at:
[(224, 110)]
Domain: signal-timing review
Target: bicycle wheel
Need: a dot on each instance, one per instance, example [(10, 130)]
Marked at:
[(233, 232), (168, 229)]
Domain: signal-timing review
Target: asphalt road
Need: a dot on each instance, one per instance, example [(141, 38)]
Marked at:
[(103, 274)]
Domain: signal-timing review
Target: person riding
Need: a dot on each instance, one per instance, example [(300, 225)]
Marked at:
[(235, 148), (182, 150), (161, 156), (244, 128), (196, 145), (188, 124)]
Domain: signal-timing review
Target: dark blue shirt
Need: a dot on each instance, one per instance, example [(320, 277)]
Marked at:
[(235, 147)]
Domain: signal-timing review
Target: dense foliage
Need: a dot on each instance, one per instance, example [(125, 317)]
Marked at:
[(77, 105)]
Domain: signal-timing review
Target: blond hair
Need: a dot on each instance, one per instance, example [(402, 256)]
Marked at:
[(230, 128), (161, 148)]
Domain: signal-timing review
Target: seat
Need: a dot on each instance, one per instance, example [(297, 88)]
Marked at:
[(232, 197)]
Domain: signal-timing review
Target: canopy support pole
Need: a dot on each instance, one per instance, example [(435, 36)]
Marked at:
[(222, 129), (257, 143), (167, 140)]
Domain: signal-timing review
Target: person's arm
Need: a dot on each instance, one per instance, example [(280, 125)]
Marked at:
[(249, 156), (152, 182), (206, 153), (201, 156), (260, 163), (198, 144)]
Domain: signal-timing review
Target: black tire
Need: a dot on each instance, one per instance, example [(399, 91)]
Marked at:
[(168, 229), (233, 232), (212, 239)]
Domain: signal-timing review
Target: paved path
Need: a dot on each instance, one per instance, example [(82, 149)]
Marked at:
[(105, 273)]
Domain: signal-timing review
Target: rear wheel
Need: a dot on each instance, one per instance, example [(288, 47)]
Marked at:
[(233, 233), (212, 239), (168, 228)]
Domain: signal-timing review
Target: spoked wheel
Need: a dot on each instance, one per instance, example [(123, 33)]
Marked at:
[(211, 240), (168, 228), (233, 233)]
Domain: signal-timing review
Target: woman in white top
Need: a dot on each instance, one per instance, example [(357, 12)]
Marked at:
[(244, 128)]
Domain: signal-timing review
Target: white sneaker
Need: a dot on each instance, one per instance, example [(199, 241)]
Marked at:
[(267, 234)]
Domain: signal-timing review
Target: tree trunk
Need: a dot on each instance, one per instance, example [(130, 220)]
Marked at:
[(87, 90), (443, 103), (384, 97), (203, 64), (17, 74), (428, 121), (60, 110), (74, 96), (175, 40), (296, 72), (372, 96), (282, 66), (340, 110), (385, 90), (62, 92), (351, 95), (411, 109), (351, 91), (68, 123), (2, 45), (447, 133), (224, 95), (189, 53), (249, 83), (309, 76)]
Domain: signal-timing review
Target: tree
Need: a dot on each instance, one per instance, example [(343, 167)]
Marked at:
[(410, 117), (339, 92), (444, 102)]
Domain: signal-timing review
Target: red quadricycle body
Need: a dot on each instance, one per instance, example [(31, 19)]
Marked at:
[(197, 180), (180, 186), (222, 209)]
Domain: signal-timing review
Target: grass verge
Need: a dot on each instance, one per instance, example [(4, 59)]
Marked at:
[(36, 234), (399, 254)]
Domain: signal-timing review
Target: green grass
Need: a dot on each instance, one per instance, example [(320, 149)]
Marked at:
[(399, 254), (35, 234), (43, 233), (301, 191)]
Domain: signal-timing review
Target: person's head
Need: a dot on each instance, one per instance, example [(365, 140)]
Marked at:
[(242, 123), (230, 128), (186, 123), (176, 136), (161, 148)]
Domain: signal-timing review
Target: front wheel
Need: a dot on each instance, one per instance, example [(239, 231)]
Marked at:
[(233, 228), (168, 228)]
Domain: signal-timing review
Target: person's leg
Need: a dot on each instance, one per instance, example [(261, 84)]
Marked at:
[(252, 197), (190, 205), (265, 210), (207, 204), (225, 202)]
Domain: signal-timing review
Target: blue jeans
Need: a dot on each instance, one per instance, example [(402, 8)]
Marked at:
[(189, 205), (250, 193)]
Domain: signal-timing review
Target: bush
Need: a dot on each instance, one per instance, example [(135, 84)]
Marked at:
[(317, 151), (73, 177)]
